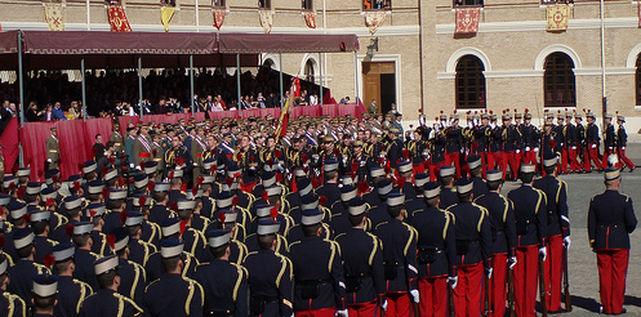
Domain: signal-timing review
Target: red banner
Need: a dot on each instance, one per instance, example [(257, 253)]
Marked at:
[(219, 17), (10, 145), (118, 19), (310, 19), (467, 20)]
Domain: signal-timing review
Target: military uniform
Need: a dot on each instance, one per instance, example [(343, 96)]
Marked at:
[(611, 220), (622, 142), (531, 228), (53, 151)]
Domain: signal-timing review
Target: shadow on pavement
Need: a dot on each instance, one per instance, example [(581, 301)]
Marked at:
[(590, 304), (632, 301)]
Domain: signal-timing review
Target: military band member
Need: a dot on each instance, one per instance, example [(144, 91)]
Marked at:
[(611, 220), (436, 253), (448, 192), (72, 292), (224, 283), (592, 145), (503, 232), (572, 143), (45, 293), (270, 276), (319, 283), (24, 269), (198, 148), (558, 229), (173, 294), (609, 139), (107, 301), (142, 147), (399, 258), (473, 249), (531, 228), (622, 142), (363, 267)]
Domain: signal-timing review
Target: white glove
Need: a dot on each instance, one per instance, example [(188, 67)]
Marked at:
[(574, 147), (131, 165), (415, 295), (489, 272), (195, 164), (536, 150), (527, 149), (384, 305), (138, 168), (511, 263), (543, 251), (518, 151), (453, 281), (49, 160), (342, 313), (567, 242), (594, 146)]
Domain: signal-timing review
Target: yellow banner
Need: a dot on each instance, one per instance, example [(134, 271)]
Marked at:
[(557, 17), (166, 13), (54, 15)]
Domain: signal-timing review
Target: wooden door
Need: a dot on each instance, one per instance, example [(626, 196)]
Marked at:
[(372, 89)]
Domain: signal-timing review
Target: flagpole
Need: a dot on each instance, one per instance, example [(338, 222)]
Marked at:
[(140, 85), (320, 67), (21, 88), (238, 83), (88, 8), (84, 89), (191, 83), (280, 78), (604, 98), (197, 17)]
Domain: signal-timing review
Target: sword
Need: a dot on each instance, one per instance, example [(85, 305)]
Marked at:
[(450, 295), (417, 311), (566, 281), (544, 307)]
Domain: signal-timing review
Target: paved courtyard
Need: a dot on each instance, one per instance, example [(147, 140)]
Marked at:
[(584, 286)]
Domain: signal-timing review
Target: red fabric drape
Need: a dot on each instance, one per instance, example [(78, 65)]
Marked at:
[(74, 147), (95, 126), (124, 121), (222, 114), (9, 145), (34, 139), (313, 111)]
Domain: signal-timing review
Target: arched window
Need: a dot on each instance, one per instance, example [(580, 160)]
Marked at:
[(470, 82), (309, 70), (637, 80), (558, 81)]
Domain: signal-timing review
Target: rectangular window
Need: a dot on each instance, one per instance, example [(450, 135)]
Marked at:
[(546, 2), (113, 2), (377, 4), (468, 3), (218, 4), (264, 4), (307, 5), (170, 3)]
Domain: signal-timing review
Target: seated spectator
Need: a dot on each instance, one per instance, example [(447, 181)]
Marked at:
[(58, 114)]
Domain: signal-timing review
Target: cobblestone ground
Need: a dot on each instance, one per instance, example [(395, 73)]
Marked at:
[(584, 286)]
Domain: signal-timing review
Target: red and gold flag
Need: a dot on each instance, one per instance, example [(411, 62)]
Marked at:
[(557, 17), (118, 19), (54, 15), (219, 17), (310, 19), (467, 20), (374, 19), (266, 20)]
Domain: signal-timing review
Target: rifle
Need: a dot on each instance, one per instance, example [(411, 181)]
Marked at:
[(487, 311), (417, 311), (450, 296), (566, 281), (544, 306), (510, 294)]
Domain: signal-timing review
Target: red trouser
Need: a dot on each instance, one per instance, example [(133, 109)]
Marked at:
[(623, 159), (509, 158), (492, 160), (369, 309), (591, 155), (606, 153), (498, 291), (468, 291), (613, 267), (433, 296), (553, 268), (525, 280), (453, 159), (419, 168), (572, 156), (483, 156), (398, 305), (563, 162), (323, 312), (529, 157), (435, 168)]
